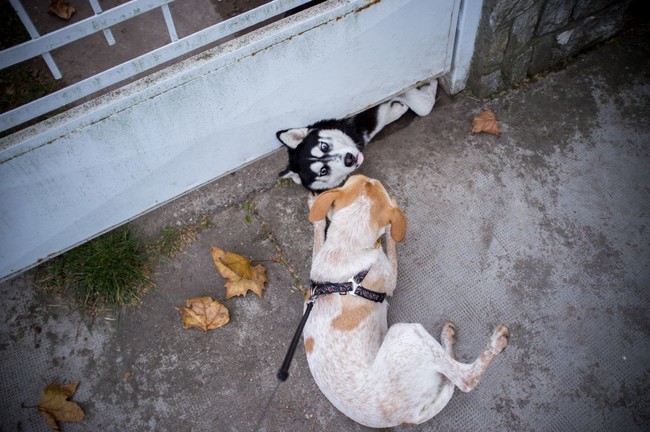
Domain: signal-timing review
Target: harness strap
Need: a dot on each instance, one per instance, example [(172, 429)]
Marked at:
[(352, 286)]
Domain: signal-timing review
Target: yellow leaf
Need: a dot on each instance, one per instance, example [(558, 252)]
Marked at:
[(56, 407), (204, 313), (486, 122), (242, 276)]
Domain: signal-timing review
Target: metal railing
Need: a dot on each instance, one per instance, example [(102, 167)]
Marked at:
[(42, 45)]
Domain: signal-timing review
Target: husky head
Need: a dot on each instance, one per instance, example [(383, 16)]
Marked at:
[(319, 159)]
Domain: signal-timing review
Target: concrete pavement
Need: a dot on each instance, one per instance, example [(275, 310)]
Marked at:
[(543, 229)]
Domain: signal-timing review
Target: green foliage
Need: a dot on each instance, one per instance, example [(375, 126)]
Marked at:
[(108, 271), (248, 208)]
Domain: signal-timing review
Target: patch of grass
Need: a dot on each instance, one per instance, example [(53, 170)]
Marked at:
[(113, 269), (109, 271), (172, 240), (283, 182), (248, 208)]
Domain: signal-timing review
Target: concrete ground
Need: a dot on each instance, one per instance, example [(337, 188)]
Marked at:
[(544, 228)]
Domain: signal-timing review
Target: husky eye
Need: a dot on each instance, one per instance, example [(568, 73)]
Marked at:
[(324, 146), (323, 171)]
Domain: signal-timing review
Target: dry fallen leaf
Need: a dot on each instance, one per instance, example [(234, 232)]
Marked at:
[(56, 407), (204, 313), (486, 122), (241, 275), (62, 9)]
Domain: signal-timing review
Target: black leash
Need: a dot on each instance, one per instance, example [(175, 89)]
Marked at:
[(266, 407), (353, 286), (283, 373)]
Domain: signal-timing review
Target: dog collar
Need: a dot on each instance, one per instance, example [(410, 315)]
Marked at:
[(352, 286)]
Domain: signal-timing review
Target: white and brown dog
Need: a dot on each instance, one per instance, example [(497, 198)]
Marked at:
[(377, 376)]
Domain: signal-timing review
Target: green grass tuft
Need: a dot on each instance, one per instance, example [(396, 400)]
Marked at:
[(172, 240), (113, 269), (109, 271)]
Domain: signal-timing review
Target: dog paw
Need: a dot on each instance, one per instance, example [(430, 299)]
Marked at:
[(311, 197), (449, 332), (500, 339)]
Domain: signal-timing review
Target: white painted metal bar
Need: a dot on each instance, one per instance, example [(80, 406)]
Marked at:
[(22, 14), (469, 18), (170, 23), (107, 32), (86, 27), (143, 63)]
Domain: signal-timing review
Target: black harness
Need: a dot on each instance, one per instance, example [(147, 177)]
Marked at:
[(353, 286)]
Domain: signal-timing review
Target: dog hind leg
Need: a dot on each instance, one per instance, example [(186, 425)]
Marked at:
[(447, 339), (497, 344), (387, 113), (466, 376)]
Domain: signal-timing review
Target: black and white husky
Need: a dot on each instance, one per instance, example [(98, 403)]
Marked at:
[(323, 154)]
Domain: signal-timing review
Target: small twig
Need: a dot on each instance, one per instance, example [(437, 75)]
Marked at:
[(76, 336), (288, 266), (205, 342), (274, 260)]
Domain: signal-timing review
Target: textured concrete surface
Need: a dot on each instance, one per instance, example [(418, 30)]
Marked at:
[(543, 228)]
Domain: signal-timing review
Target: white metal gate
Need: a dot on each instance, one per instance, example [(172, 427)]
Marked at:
[(85, 171)]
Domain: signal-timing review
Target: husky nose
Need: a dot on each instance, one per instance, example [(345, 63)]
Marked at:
[(349, 160)]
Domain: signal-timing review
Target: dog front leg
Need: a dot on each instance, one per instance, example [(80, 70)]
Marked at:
[(319, 228), (391, 253)]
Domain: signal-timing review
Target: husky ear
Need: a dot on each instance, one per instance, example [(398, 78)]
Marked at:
[(292, 137), (322, 205), (287, 173)]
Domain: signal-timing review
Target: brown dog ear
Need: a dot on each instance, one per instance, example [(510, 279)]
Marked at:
[(322, 205), (397, 224)]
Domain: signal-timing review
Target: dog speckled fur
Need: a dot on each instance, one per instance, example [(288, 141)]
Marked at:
[(377, 376)]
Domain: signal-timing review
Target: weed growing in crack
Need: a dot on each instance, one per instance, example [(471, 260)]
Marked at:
[(109, 271)]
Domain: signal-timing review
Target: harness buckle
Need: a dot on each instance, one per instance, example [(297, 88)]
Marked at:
[(355, 285)]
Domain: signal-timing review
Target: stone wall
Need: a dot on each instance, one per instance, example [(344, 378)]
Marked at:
[(520, 38)]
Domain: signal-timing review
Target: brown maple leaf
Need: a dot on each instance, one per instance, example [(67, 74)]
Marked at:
[(486, 122), (242, 276), (56, 407), (62, 9), (204, 313)]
